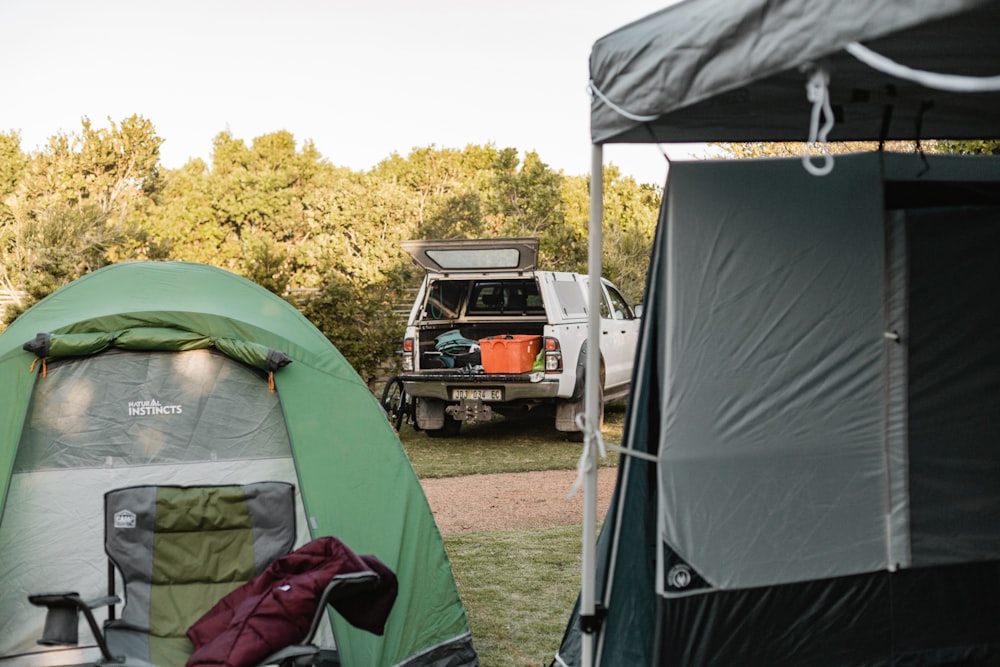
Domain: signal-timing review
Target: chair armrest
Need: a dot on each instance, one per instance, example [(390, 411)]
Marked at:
[(105, 601), (60, 598), (72, 599), (341, 587)]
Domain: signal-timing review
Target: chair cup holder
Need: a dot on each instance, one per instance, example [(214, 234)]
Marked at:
[(62, 618)]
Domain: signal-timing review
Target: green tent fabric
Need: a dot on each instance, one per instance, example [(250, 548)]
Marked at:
[(48, 346), (197, 343)]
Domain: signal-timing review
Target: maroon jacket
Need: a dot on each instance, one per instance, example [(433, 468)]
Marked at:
[(275, 609)]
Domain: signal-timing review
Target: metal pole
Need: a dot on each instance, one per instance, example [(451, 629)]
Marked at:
[(588, 568)]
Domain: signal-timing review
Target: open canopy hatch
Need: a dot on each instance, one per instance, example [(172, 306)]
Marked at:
[(517, 255)]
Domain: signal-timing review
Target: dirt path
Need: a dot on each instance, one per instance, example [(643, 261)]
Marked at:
[(513, 501)]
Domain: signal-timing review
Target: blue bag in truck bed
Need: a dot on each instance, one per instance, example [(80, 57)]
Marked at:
[(457, 350), (453, 342)]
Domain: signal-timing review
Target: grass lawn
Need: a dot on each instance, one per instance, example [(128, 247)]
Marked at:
[(504, 445), (518, 587)]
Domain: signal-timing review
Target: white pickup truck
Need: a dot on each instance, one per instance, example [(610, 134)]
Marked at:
[(488, 332)]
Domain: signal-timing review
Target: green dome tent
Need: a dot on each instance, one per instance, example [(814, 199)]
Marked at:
[(178, 373)]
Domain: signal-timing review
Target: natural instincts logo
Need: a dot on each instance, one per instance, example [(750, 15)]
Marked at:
[(148, 408)]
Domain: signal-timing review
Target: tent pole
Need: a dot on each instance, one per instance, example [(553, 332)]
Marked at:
[(593, 374)]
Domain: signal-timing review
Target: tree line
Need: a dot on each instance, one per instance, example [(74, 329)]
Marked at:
[(324, 237)]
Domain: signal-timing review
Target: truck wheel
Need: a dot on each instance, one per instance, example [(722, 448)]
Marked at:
[(395, 402), (449, 430)]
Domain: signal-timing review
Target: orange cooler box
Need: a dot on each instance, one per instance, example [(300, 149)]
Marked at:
[(509, 354)]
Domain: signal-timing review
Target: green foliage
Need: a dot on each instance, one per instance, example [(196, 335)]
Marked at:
[(182, 225), (526, 200), (631, 211), (75, 205), (970, 147), (358, 318), (570, 243), (282, 216), (458, 217), (442, 189), (57, 246), (112, 168), (264, 261), (12, 163), (764, 149)]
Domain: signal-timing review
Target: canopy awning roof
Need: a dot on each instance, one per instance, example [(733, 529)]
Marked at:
[(716, 70)]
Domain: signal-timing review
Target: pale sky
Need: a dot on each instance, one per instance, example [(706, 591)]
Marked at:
[(361, 79)]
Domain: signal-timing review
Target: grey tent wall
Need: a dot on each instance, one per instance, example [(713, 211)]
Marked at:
[(933, 602), (772, 459)]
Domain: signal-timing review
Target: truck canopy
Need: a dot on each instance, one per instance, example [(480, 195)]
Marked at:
[(449, 256)]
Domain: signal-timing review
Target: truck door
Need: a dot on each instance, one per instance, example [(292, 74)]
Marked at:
[(619, 336)]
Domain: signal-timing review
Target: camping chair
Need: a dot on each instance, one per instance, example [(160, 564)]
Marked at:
[(179, 551)]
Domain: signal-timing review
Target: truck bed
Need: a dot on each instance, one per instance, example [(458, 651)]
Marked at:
[(472, 331)]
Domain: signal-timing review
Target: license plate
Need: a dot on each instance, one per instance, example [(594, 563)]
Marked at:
[(481, 394)]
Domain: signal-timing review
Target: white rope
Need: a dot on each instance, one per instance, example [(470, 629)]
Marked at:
[(591, 434), (818, 93), (627, 451), (617, 109), (955, 83), (583, 466)]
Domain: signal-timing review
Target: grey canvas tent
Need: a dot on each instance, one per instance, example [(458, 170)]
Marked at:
[(184, 374), (812, 454), (714, 70)]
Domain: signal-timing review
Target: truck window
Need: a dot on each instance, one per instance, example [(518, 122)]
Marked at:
[(444, 299), (505, 297), (620, 309), (569, 296), (605, 308)]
